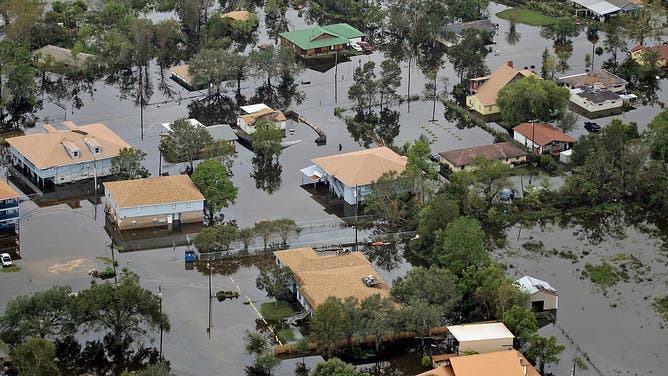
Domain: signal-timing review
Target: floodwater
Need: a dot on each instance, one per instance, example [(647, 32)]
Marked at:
[(617, 339)]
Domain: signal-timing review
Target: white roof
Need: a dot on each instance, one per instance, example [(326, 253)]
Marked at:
[(313, 172), (254, 108), (533, 285), (599, 7), (480, 332), (168, 126)]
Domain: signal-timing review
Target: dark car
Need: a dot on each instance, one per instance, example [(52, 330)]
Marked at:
[(368, 48), (592, 127)]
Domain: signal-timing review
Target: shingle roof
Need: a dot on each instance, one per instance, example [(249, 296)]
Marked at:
[(544, 133), (182, 72), (267, 114), (153, 191), (239, 15), (597, 77), (362, 167), (595, 95), (320, 277), (465, 157), (6, 191), (322, 36), (662, 49), (499, 363), (62, 55), (46, 150), (501, 77), (222, 132)]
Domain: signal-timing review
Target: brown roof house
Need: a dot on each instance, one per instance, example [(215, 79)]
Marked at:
[(542, 138), (351, 176), (638, 54), (252, 114), (462, 159), (499, 363), (485, 89), (66, 155), (596, 93), (315, 277), (181, 74), (150, 202)]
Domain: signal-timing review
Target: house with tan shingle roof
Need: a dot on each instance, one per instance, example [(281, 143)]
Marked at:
[(315, 277), (151, 202), (60, 156), (485, 89), (499, 363), (252, 114)]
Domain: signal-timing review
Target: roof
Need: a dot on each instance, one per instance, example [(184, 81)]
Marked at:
[(662, 49), (320, 277), (600, 7), (442, 357), (182, 72), (267, 114), (46, 150), (239, 15), (597, 77), (465, 157), (544, 133), (222, 132), (62, 55), (249, 109), (483, 25), (533, 285), (501, 77), (6, 191), (439, 371), (498, 363), (595, 95), (362, 167), (153, 191), (322, 36), (480, 332)]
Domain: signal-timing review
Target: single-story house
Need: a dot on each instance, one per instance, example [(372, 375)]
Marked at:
[(638, 51), (485, 89), (238, 15), (53, 54), (9, 218), (182, 76), (544, 297), (62, 156), (481, 338), (498, 363), (223, 132), (450, 34), (351, 176), (462, 159), (315, 277), (259, 112), (320, 40), (596, 78), (543, 138), (595, 101), (603, 9), (150, 202)]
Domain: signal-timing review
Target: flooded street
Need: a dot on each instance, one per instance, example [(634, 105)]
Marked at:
[(618, 330)]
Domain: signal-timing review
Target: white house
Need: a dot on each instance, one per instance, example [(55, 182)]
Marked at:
[(258, 112), (481, 338), (149, 202), (542, 138), (544, 297), (65, 155), (592, 101), (599, 78)]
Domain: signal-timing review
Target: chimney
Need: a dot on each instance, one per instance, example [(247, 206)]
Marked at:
[(510, 63)]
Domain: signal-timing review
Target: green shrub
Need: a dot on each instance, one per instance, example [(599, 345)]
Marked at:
[(604, 275), (426, 361)]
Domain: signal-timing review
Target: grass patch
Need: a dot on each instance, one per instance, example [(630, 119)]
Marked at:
[(604, 275), (106, 260), (661, 306), (286, 335), (10, 269), (272, 311), (535, 247), (526, 16)]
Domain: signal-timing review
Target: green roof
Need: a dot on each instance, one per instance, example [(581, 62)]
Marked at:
[(306, 39)]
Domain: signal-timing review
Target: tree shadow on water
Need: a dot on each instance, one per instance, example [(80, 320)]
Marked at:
[(267, 174)]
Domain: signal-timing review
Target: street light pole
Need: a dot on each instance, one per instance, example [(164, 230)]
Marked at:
[(208, 266), (161, 327), (356, 211)]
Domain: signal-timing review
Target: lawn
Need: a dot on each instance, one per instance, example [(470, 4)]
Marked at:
[(272, 312), (286, 335), (526, 16), (10, 269)]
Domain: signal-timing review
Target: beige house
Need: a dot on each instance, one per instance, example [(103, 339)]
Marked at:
[(462, 159), (57, 55), (315, 277), (255, 113), (181, 74), (599, 78), (151, 202), (480, 338), (498, 363), (638, 52), (485, 89), (544, 297)]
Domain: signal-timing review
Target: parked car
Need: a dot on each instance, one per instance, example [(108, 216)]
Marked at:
[(356, 47), (592, 127), (6, 259), (366, 46)]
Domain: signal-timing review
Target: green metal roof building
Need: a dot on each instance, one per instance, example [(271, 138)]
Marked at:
[(320, 40)]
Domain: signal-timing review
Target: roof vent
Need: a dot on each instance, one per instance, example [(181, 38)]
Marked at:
[(370, 281)]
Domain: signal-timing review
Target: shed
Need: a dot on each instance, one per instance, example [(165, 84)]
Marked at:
[(480, 337), (543, 296)]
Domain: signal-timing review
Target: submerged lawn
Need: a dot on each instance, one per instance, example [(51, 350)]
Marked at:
[(272, 311), (526, 16)]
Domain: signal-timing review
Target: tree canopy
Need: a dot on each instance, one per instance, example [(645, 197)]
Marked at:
[(128, 164), (531, 98), (214, 182)]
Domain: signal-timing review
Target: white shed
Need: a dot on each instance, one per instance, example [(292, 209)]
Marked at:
[(480, 338), (543, 296)]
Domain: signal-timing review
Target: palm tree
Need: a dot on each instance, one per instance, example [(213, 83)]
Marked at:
[(592, 36)]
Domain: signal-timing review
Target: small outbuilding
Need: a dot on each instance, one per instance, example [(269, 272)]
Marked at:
[(480, 338), (252, 114), (544, 297)]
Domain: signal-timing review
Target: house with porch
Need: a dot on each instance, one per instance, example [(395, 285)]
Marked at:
[(254, 113), (316, 277), (479, 337), (321, 40), (163, 201), (350, 176), (542, 138), (9, 218), (462, 159), (60, 156), (544, 298), (483, 90), (498, 363)]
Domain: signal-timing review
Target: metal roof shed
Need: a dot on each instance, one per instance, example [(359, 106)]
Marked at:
[(482, 338)]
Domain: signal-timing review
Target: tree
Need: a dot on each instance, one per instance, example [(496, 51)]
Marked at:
[(246, 236), (336, 367), (267, 141), (255, 343), (274, 280), (562, 30), (658, 136), (264, 229), (433, 217), (614, 39), (20, 16), (463, 245), (214, 182), (185, 142), (522, 323), (487, 293), (328, 326), (128, 164), (468, 56), (388, 82), (35, 357), (17, 83), (215, 238), (270, 62), (530, 98), (644, 23), (436, 286), (391, 203), (210, 67), (378, 318), (567, 121), (432, 91), (364, 88), (286, 228), (420, 317), (592, 37), (544, 351), (158, 369)]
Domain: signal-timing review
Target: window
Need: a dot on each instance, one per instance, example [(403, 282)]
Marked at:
[(138, 210), (97, 150), (173, 206), (75, 154), (187, 204)]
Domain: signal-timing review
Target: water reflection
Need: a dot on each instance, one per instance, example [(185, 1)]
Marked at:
[(513, 36), (267, 174), (213, 109), (386, 256)]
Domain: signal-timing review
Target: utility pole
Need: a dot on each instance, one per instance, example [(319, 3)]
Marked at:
[(95, 187), (141, 103), (208, 266), (161, 327), (336, 76), (356, 206)]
